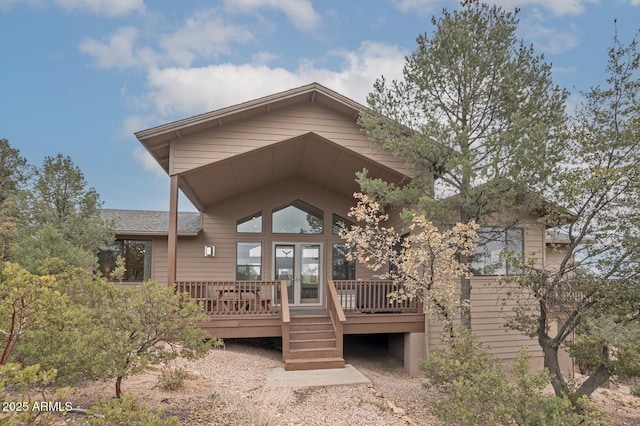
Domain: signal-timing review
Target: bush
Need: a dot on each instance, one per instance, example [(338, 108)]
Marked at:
[(474, 389), (172, 378), (26, 382), (126, 411)]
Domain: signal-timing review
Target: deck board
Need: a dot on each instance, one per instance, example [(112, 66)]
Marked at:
[(233, 326)]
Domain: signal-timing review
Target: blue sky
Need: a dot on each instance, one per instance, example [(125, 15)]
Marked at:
[(78, 77)]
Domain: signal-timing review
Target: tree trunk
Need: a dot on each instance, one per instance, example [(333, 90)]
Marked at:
[(465, 303), (551, 363), (12, 338), (595, 380), (118, 386), (465, 284)]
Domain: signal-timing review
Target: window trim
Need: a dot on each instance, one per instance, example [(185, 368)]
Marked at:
[(249, 218), (304, 207), (336, 220), (348, 263), (261, 266), (501, 268), (118, 245)]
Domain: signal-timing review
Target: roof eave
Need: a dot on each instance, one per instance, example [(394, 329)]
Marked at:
[(154, 234), (174, 128)]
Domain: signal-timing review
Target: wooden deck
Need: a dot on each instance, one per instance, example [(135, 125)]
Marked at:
[(243, 309)]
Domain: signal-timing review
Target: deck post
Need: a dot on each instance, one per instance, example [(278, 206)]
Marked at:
[(172, 243)]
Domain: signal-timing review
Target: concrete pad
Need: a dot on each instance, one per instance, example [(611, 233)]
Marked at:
[(348, 375)]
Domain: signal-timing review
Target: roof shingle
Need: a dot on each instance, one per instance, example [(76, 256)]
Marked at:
[(149, 222)]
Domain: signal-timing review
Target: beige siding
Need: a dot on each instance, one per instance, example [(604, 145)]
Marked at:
[(489, 314), (219, 229), (243, 136), (554, 256)]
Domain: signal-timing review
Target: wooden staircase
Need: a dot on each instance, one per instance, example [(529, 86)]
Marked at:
[(312, 344)]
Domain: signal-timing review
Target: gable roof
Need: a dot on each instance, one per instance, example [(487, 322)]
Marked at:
[(150, 223), (309, 132), (156, 139)]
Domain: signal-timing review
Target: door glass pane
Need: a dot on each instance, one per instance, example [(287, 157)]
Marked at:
[(285, 267), (310, 273)]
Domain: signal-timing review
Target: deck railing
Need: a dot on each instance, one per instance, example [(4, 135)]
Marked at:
[(286, 318), (371, 296), (336, 314), (268, 297), (235, 297)]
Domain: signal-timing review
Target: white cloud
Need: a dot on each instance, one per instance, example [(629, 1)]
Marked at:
[(6, 4), (300, 12), (108, 8), (186, 91), (263, 58), (203, 35), (557, 7), (549, 40), (179, 92), (103, 7), (149, 163), (119, 50), (422, 7)]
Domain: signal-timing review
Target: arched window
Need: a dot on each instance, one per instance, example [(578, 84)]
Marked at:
[(297, 217)]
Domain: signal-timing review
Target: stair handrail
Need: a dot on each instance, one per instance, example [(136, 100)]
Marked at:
[(336, 313), (286, 317)]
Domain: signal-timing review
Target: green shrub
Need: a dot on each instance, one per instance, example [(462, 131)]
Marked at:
[(172, 378), (635, 390), (26, 382), (474, 389), (126, 411)]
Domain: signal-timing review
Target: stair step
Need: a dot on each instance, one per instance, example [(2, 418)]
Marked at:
[(313, 363), (312, 353), (310, 318), (312, 334), (310, 327), (313, 344)]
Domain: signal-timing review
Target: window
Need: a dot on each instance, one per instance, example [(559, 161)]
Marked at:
[(250, 224), (496, 245), (339, 222), (248, 261), (343, 269), (136, 255), (297, 217)]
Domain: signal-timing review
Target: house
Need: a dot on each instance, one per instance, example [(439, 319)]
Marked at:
[(272, 178)]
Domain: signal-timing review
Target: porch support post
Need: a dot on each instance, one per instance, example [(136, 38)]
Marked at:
[(172, 251)]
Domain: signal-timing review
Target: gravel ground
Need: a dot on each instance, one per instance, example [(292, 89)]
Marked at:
[(240, 372), (228, 387)]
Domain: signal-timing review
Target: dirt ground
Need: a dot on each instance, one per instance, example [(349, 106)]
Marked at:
[(229, 388)]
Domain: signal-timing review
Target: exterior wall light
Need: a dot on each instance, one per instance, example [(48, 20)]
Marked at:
[(209, 251)]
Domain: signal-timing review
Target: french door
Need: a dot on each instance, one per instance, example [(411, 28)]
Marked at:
[(300, 264)]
